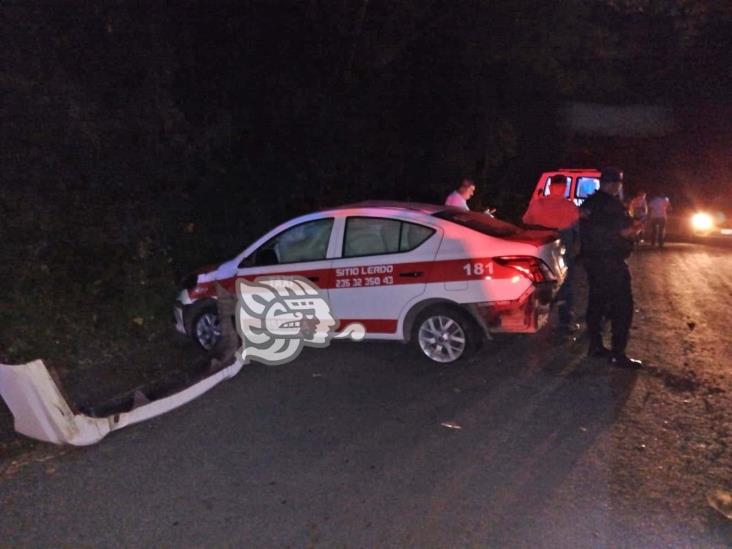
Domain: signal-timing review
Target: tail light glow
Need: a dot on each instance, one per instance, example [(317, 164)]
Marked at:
[(532, 268)]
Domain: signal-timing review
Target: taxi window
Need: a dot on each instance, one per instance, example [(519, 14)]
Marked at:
[(377, 236), (479, 222), (304, 242), (413, 235)]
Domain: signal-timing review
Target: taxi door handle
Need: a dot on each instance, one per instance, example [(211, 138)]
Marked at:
[(412, 274)]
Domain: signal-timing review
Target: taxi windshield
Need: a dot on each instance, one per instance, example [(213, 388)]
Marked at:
[(480, 222)]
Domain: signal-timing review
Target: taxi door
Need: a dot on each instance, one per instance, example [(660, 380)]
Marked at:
[(302, 249), (383, 265)]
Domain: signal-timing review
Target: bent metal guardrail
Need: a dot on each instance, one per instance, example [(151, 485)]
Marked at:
[(41, 411)]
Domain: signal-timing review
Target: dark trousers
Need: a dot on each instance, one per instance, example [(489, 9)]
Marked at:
[(610, 298), (658, 230), (565, 298)]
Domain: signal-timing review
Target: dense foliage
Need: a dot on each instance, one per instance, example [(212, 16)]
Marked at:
[(141, 140)]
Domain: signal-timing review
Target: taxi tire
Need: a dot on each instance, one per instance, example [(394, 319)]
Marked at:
[(206, 314), (471, 330)]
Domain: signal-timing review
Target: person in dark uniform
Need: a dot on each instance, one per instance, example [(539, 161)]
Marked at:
[(607, 233)]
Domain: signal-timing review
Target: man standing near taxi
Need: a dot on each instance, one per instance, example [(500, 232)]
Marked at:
[(460, 196), (555, 211), (607, 234)]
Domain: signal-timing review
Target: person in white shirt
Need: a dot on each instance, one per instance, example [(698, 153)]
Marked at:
[(638, 209), (459, 197), (658, 208), (638, 206)]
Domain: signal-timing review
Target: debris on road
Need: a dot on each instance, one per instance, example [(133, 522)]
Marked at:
[(451, 425), (41, 410), (721, 501)]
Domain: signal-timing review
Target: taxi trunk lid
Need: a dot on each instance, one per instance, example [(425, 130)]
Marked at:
[(549, 249)]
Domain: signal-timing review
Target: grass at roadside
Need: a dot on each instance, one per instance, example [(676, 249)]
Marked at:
[(94, 305)]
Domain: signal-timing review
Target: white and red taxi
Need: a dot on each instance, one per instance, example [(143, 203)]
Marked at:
[(439, 276)]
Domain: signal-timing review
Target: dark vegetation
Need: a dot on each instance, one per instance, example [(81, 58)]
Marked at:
[(142, 140)]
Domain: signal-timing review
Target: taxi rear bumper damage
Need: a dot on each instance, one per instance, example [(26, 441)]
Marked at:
[(527, 314), (41, 410)]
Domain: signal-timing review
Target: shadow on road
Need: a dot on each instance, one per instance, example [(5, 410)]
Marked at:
[(529, 413)]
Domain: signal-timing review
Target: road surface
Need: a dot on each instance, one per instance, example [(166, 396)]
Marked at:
[(346, 447)]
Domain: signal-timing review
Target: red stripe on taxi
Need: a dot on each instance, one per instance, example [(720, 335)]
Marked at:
[(384, 274), (373, 325)]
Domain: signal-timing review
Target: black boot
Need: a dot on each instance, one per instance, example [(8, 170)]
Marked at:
[(621, 360), (598, 350)]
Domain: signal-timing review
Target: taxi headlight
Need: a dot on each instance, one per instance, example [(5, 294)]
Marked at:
[(701, 221)]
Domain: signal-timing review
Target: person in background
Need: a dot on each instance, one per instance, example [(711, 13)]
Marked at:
[(460, 196), (638, 208), (658, 207), (607, 233), (554, 211)]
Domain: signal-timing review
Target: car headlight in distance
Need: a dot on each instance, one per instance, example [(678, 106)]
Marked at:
[(702, 222)]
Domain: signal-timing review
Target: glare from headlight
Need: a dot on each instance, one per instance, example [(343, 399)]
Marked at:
[(702, 221)]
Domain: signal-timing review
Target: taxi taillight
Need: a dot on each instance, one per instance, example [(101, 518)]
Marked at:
[(532, 268)]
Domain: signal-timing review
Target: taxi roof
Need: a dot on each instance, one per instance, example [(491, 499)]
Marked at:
[(393, 205), (577, 170)]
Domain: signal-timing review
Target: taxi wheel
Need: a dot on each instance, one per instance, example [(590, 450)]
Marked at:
[(446, 334), (206, 328)]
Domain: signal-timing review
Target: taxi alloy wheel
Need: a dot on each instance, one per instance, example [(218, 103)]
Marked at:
[(444, 335), (207, 329)]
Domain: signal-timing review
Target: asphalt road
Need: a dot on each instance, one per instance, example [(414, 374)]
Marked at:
[(345, 446)]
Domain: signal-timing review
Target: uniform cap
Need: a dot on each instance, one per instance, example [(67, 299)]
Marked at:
[(611, 175)]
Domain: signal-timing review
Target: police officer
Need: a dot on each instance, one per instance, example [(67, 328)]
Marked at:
[(607, 233)]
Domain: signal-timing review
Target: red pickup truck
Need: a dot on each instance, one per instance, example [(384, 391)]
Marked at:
[(581, 183)]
